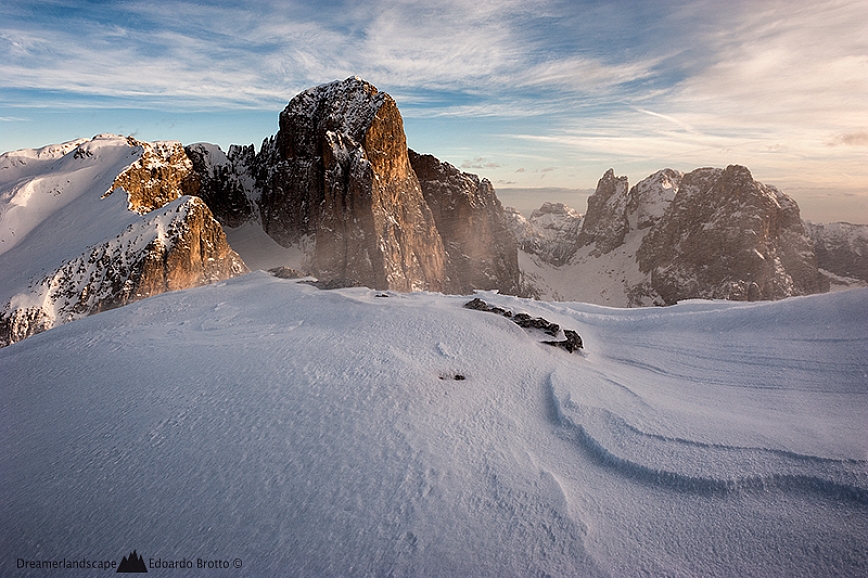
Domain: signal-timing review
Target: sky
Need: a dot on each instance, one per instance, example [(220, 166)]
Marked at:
[(539, 96)]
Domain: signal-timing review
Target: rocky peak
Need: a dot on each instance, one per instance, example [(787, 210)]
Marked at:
[(649, 198), (727, 236), (480, 248), (338, 171), (551, 233), (226, 181), (605, 224)]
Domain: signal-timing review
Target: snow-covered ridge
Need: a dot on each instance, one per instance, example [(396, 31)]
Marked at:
[(69, 247)]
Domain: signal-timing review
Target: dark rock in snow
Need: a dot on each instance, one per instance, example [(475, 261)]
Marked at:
[(286, 273), (571, 343)]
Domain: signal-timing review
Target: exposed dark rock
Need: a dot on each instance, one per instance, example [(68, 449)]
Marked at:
[(225, 181), (528, 322), (571, 341), (286, 273), (480, 248), (333, 283)]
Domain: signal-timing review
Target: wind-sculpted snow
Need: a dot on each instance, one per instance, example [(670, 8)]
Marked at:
[(328, 433), (703, 467)]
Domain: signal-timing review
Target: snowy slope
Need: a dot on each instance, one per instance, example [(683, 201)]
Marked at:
[(93, 224), (314, 433)]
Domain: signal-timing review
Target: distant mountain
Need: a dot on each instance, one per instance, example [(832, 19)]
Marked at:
[(90, 225), (842, 251), (551, 233), (710, 234)]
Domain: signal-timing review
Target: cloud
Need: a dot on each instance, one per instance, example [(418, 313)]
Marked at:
[(479, 163), (851, 139)]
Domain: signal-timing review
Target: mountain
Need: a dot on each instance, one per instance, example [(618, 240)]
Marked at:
[(94, 224), (338, 171), (842, 251), (328, 433), (709, 234), (481, 252), (550, 234), (340, 196)]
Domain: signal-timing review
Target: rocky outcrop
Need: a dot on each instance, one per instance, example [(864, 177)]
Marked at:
[(175, 247), (605, 224), (481, 251), (551, 233), (572, 341), (842, 248), (225, 181), (162, 173), (338, 171), (726, 236)]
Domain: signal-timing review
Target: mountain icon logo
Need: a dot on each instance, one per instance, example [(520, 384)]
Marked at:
[(132, 564)]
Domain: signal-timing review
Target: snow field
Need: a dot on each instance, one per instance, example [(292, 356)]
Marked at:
[(324, 433)]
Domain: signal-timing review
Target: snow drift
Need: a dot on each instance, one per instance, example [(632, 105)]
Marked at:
[(324, 433)]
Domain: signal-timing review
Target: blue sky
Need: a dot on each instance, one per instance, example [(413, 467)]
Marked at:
[(539, 96)]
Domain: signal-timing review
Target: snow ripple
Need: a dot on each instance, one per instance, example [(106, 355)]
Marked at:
[(701, 467)]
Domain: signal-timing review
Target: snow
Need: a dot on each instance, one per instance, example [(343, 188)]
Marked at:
[(259, 251), (323, 433), (57, 195), (605, 279)]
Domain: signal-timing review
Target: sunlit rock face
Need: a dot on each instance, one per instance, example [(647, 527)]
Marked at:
[(89, 249), (338, 170), (481, 250), (162, 173)]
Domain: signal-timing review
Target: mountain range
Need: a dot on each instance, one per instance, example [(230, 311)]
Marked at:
[(336, 194)]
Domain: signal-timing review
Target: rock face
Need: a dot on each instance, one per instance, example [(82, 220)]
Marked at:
[(162, 173), (481, 250), (551, 233), (605, 224), (338, 188), (842, 248), (711, 233), (338, 170), (727, 236), (225, 181), (82, 252)]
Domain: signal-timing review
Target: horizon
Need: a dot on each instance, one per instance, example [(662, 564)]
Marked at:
[(539, 97)]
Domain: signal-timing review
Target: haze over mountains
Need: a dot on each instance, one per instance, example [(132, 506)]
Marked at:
[(337, 194)]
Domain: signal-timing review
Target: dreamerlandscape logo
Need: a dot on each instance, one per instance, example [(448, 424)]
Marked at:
[(133, 563)]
